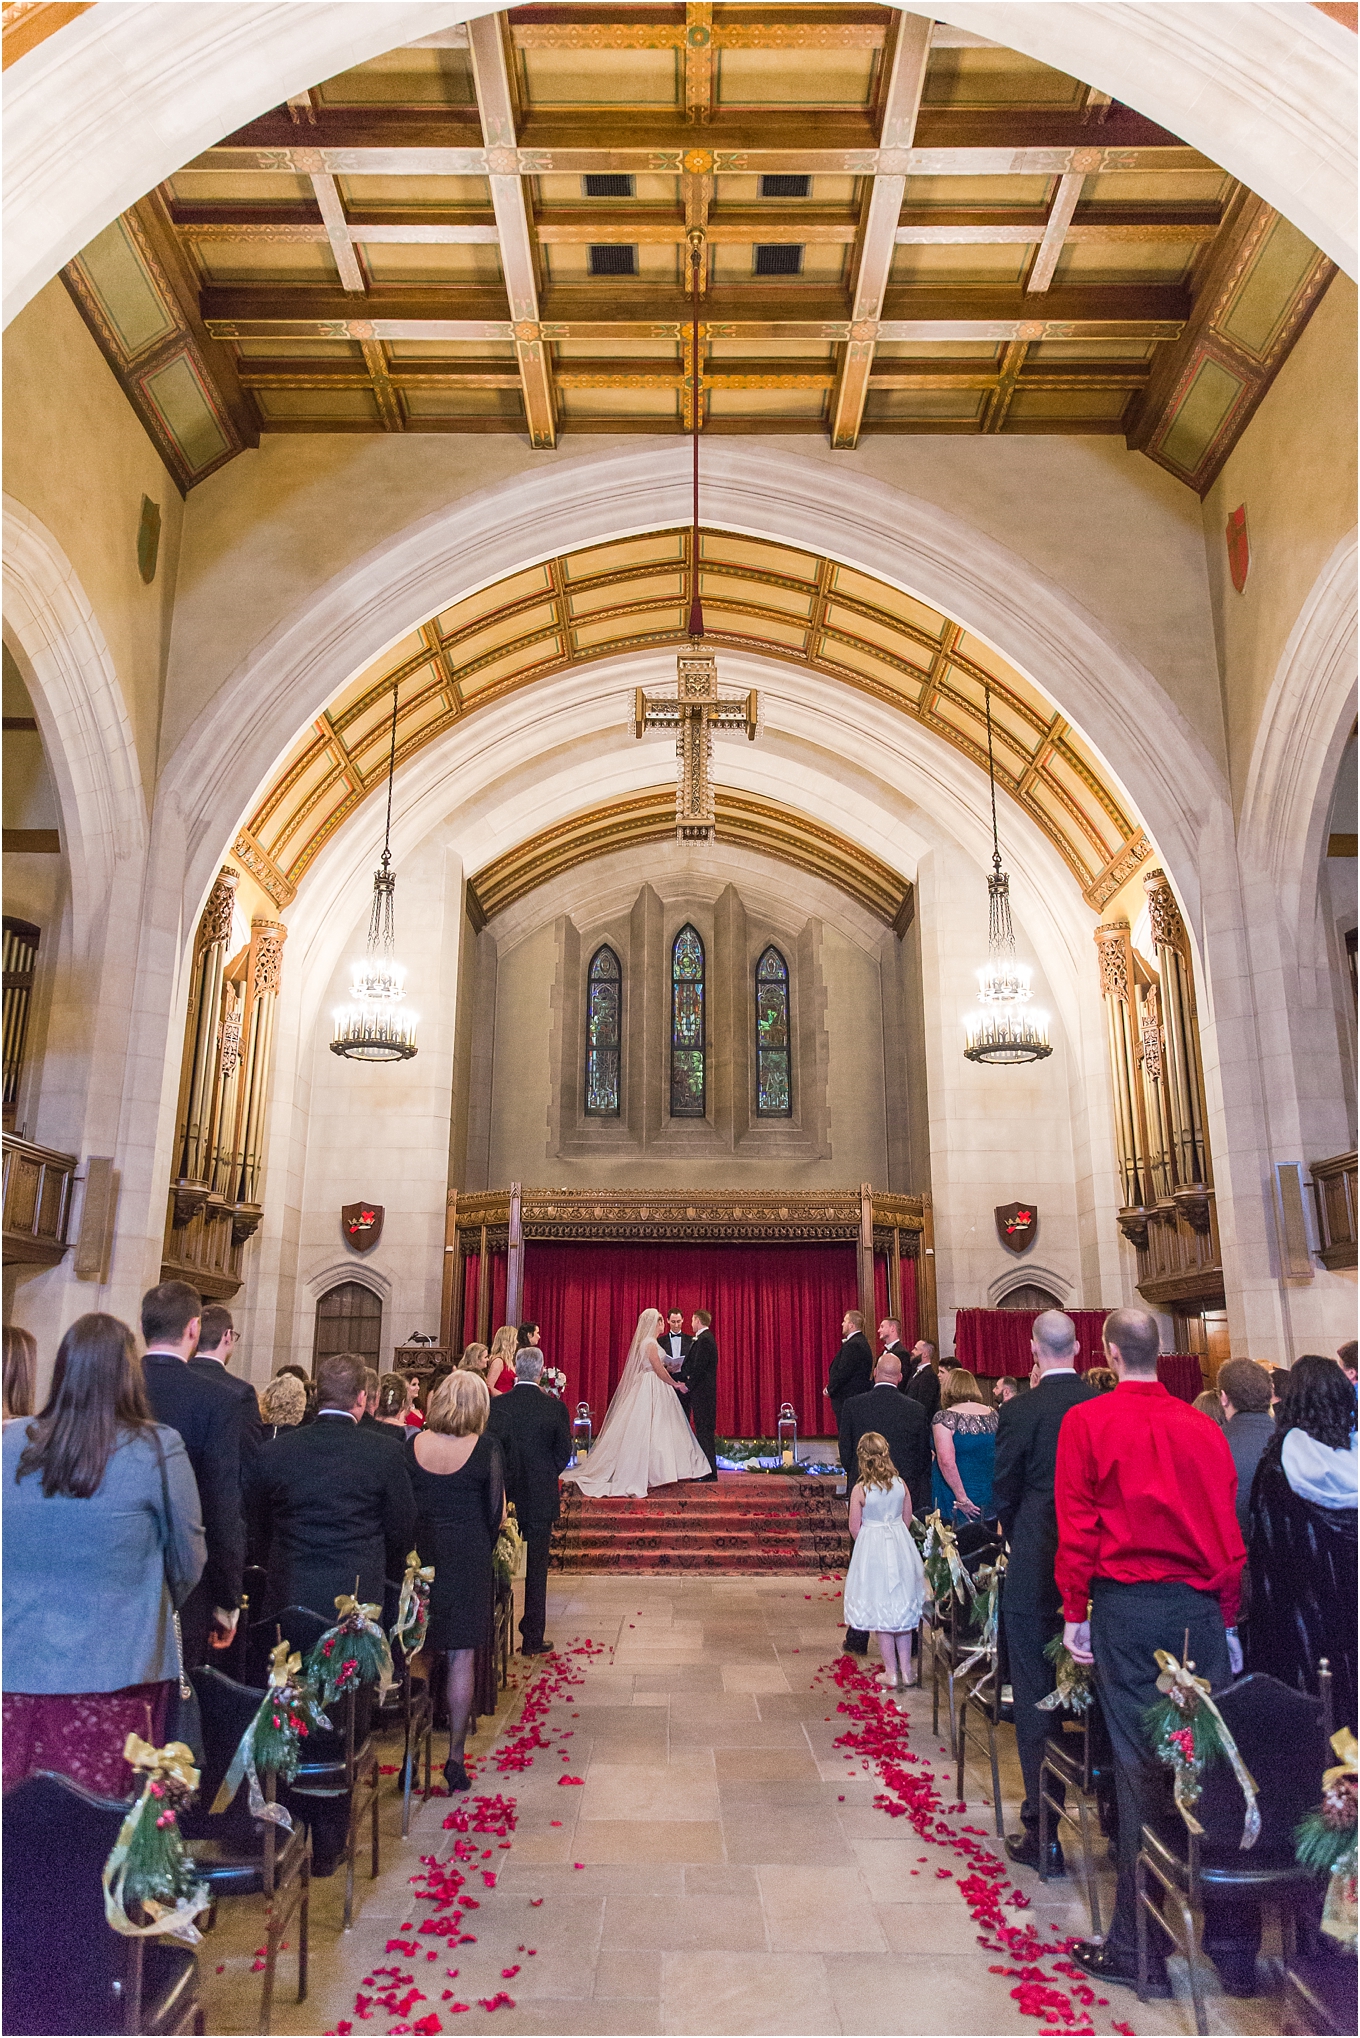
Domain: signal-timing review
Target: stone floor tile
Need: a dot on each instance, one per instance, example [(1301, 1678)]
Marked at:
[(643, 1840), (764, 1765), (715, 1992), (736, 1924), (753, 1677), (818, 1910), (646, 1791), (632, 1972)]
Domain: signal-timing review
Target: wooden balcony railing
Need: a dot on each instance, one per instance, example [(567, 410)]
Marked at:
[(1334, 1196), (37, 1202)]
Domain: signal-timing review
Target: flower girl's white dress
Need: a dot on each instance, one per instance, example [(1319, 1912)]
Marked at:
[(885, 1587)]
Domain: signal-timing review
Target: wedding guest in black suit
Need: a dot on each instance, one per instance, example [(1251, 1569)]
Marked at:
[(208, 1417), (902, 1421), (852, 1372), (331, 1502), (1022, 1492), (673, 1342), (699, 1378), (890, 1338), (217, 1341), (534, 1433), (921, 1379)]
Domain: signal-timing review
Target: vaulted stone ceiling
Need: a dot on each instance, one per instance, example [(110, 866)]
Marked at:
[(909, 230), (631, 596)]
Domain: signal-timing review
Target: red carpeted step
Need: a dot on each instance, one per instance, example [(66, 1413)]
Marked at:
[(740, 1522)]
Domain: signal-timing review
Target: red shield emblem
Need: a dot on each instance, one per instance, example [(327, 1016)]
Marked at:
[(1239, 547), (362, 1225), (1017, 1225)]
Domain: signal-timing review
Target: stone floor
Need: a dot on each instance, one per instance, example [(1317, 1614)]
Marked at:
[(719, 1871)]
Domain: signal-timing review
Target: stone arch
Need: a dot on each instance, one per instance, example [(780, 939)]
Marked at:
[(121, 98), (1029, 1276)]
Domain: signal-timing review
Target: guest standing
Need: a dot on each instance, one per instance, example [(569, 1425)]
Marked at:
[(890, 1341), (500, 1364), (21, 1371), (1149, 1557), (852, 1369), (474, 1360), (534, 1433), (1303, 1537), (411, 1414), (1244, 1393), (699, 1376), (216, 1343), (1027, 1433), (1209, 1404), (282, 1405), (207, 1415), (103, 1537), (389, 1415), (458, 1476), (964, 1437), (921, 1379), (1102, 1378), (1345, 1358), (1007, 1389), (308, 1388), (886, 1411)]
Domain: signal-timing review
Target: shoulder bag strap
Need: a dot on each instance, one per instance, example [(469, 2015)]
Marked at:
[(186, 1690)]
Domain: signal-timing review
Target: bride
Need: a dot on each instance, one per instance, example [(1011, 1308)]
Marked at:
[(644, 1439)]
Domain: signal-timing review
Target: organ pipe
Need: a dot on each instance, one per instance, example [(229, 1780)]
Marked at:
[(205, 998)]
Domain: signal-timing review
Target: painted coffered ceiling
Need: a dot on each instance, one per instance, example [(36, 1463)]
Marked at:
[(630, 596), (909, 229)]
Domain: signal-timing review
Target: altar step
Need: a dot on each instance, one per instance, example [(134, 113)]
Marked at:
[(742, 1522)]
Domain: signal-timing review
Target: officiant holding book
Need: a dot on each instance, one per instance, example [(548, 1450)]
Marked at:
[(699, 1381)]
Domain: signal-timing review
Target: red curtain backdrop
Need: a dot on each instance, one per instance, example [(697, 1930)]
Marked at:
[(777, 1313), (882, 1304), (470, 1279), (990, 1342)]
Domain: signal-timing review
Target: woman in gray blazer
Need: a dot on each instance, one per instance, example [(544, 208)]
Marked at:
[(103, 1539)]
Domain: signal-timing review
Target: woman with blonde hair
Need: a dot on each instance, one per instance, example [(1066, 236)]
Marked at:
[(474, 1360), (964, 1435), (282, 1405), (458, 1477), (885, 1587), (500, 1364), (21, 1371)]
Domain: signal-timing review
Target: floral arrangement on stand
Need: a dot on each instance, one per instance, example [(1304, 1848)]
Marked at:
[(510, 1553), (273, 1740), (1187, 1732), (352, 1653), (762, 1454), (1325, 1841), (149, 1868)]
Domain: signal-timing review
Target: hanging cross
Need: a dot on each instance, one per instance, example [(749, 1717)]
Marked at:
[(695, 712)]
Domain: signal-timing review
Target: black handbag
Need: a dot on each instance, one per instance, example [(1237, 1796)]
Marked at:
[(183, 1721)]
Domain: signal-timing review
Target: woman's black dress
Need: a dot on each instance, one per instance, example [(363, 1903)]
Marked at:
[(458, 1516), (1303, 1586)]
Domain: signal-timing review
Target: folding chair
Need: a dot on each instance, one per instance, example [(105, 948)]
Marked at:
[(984, 1695), (1077, 1754)]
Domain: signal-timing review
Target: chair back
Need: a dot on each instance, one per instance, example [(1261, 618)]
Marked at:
[(351, 1716), (63, 1964), (226, 1709), (1279, 1736)]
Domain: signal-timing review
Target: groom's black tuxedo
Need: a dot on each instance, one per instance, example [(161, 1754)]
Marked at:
[(700, 1375)]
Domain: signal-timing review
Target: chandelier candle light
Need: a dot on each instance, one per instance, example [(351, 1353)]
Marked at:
[(377, 1025), (1003, 1029)]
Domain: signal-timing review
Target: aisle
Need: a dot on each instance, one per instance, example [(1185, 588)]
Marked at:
[(720, 1867)]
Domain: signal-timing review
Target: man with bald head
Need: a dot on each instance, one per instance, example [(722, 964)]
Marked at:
[(903, 1422), (1022, 1491)]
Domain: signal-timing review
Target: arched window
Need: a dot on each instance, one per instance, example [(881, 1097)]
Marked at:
[(774, 1089), (348, 1319), (687, 1025), (604, 1012)]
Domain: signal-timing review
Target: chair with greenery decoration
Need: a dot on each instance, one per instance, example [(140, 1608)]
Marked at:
[(417, 1721), (1278, 1732), (56, 1839), (951, 1628), (343, 1763), (237, 1855)]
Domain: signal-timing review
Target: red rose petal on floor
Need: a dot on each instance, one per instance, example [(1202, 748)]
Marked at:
[(534, 1902)]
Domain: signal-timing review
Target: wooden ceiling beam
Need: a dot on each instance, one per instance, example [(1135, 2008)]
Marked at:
[(337, 231), (496, 105), (882, 210), (1060, 213), (674, 35), (745, 374), (698, 39)]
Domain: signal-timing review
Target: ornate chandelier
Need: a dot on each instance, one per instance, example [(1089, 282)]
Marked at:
[(376, 1025), (1003, 1029)]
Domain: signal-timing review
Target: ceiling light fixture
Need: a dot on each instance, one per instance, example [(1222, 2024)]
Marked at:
[(1003, 1029), (376, 1025)]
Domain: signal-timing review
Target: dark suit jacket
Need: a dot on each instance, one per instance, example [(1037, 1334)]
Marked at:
[(904, 1424), (700, 1375), (241, 1391), (664, 1340), (852, 1371), (1022, 1490), (920, 1383), (534, 1433), (330, 1503), (208, 1417)]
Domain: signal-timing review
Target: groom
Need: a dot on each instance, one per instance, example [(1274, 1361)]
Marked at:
[(699, 1381)]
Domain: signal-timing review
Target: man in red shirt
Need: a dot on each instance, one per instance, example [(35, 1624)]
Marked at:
[(1148, 1548)]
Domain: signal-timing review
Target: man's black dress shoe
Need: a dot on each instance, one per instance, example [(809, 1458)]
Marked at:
[(1238, 1977), (1023, 1849), (539, 1649), (1112, 1963)]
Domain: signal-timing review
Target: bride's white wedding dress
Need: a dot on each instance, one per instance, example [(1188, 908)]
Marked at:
[(644, 1439)]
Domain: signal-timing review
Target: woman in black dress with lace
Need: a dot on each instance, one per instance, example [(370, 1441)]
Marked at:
[(458, 1478)]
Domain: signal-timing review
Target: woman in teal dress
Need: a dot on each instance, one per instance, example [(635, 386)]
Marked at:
[(964, 1436)]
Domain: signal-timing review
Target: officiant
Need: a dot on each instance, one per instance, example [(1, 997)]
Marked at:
[(673, 1342)]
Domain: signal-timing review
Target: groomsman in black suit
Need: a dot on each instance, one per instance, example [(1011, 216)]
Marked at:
[(216, 1343), (674, 1344), (852, 1369), (1022, 1491), (699, 1377), (921, 1378)]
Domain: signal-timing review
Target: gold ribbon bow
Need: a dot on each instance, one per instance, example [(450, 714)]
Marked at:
[(283, 1666), (175, 1764), (1187, 1693), (350, 1608), (1345, 1746)]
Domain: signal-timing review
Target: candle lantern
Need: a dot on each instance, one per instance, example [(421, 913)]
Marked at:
[(788, 1435), (581, 1431)]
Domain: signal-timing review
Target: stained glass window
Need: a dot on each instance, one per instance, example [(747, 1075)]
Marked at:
[(687, 1025), (774, 1092), (604, 999)]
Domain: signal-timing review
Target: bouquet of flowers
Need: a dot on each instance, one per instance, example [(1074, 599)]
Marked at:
[(352, 1653), (553, 1381)]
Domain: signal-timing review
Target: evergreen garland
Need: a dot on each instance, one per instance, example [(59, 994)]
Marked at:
[(351, 1654), (149, 1868), (1187, 1732), (1071, 1681), (1325, 1841)]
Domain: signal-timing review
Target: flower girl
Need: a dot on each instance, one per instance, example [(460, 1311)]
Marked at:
[(885, 1587)]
